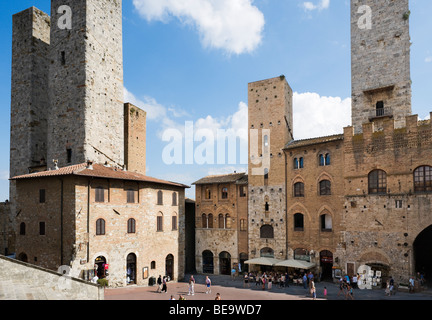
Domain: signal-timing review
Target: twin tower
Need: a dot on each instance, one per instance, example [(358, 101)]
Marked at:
[(67, 89)]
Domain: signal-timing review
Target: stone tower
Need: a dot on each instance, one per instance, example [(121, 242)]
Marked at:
[(29, 94), (380, 50), (86, 120), (270, 129)]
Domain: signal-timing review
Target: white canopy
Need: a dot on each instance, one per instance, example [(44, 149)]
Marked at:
[(299, 264), (263, 261)]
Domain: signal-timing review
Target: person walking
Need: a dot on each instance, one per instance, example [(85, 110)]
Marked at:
[(164, 285), (159, 284), (191, 286), (305, 281), (208, 285)]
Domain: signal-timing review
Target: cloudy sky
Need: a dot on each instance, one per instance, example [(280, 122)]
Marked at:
[(189, 61)]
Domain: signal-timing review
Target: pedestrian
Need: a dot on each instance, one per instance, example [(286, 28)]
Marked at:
[(164, 285), (246, 280), (305, 281), (270, 280), (391, 287), (159, 283), (325, 292), (181, 297), (208, 285), (172, 297), (355, 280), (341, 286), (411, 285), (263, 280), (233, 272), (191, 286), (387, 289), (312, 289), (218, 296)]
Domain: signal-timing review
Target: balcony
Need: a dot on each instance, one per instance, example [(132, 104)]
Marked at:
[(380, 113)]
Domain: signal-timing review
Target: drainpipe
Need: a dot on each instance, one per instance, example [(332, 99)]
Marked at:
[(88, 219), (61, 222)]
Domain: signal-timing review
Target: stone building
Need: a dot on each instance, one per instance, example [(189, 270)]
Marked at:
[(221, 228), (91, 214), (355, 201), (79, 196)]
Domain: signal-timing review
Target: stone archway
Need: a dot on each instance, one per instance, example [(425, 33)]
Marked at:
[(423, 254)]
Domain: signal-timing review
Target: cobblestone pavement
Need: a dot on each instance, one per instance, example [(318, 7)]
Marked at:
[(236, 290)]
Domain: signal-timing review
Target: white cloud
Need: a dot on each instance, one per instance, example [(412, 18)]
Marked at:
[(234, 26), (316, 116), (322, 4)]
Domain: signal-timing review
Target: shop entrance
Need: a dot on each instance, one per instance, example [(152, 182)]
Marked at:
[(100, 267), (326, 261), (131, 268), (423, 254)]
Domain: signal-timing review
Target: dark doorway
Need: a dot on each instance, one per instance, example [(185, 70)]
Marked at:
[(225, 263), (326, 260), (100, 269), (423, 253), (208, 266), (169, 266), (22, 257), (131, 268)]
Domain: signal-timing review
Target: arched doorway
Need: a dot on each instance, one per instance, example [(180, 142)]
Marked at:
[(22, 257), (423, 254), (100, 269), (326, 262), (225, 263), (131, 268), (169, 266), (208, 265)]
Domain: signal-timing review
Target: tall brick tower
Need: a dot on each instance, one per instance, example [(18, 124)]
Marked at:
[(86, 120), (380, 50), (270, 129)]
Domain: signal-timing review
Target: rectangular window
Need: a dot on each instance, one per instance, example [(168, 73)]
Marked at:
[(42, 196), (398, 204), (242, 191), (130, 196), (99, 194), (42, 228), (159, 223), (69, 155), (243, 225), (174, 222)]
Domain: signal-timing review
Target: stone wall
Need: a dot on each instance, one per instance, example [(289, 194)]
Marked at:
[(135, 138), (55, 285)]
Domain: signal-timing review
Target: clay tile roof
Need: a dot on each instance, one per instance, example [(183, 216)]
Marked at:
[(224, 178), (98, 171), (307, 142)]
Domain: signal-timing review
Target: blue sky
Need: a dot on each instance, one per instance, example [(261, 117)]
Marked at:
[(191, 61)]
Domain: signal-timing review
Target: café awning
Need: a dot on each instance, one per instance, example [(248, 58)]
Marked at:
[(263, 261), (299, 264)]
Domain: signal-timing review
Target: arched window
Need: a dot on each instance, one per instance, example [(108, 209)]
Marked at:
[(160, 197), (22, 229), (299, 189), (377, 182), (301, 254), (227, 221), (204, 222), (131, 225), (174, 198), (298, 163), (266, 232), (208, 194), (325, 188), (100, 227), (324, 159), (423, 179), (326, 223), (210, 221), (267, 253), (224, 193), (298, 222), (159, 222), (221, 221)]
